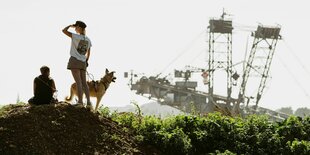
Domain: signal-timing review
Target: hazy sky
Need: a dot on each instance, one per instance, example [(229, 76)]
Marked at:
[(146, 36)]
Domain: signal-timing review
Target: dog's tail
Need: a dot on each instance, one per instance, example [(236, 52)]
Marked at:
[(69, 98)]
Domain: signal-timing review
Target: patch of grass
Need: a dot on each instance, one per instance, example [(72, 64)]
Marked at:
[(4, 109)]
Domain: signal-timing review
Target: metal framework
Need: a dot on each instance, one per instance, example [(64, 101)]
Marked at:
[(184, 95), (259, 61), (219, 56)]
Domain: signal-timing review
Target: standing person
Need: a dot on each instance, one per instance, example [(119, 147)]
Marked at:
[(43, 88), (79, 52)]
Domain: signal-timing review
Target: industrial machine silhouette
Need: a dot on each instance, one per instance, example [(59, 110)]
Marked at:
[(183, 94)]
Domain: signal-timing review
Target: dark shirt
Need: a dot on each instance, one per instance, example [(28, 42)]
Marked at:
[(43, 93)]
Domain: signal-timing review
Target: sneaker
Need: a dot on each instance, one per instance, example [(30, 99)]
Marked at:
[(89, 106), (79, 105)]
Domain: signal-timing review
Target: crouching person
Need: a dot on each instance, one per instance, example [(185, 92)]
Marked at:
[(43, 88)]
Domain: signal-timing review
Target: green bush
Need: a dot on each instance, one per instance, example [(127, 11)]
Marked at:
[(227, 152), (149, 128), (294, 128), (105, 112), (174, 142), (194, 135), (299, 147)]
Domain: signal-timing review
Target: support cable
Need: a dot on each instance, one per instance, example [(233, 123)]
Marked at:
[(297, 58), (294, 77), (183, 52)]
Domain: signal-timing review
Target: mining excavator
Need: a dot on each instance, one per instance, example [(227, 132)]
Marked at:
[(183, 93)]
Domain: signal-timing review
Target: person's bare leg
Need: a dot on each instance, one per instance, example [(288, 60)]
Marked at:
[(77, 78), (85, 86)]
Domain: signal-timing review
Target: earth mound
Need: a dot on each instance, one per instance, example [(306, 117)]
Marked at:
[(61, 129)]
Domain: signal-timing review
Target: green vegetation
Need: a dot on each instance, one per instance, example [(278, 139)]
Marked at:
[(2, 110), (5, 108), (212, 134), (218, 134)]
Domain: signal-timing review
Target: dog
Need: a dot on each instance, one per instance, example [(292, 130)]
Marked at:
[(96, 88)]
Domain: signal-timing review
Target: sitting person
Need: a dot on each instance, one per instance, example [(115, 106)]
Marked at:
[(43, 88)]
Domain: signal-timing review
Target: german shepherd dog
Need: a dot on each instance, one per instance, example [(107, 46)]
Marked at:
[(96, 88)]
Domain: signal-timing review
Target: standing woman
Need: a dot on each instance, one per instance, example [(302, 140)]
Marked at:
[(79, 52)]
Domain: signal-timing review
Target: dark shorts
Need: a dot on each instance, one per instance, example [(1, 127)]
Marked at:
[(76, 64)]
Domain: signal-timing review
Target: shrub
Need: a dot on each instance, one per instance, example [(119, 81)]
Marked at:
[(299, 147), (175, 142), (194, 135), (293, 128)]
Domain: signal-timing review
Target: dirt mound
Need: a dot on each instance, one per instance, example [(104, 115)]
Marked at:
[(61, 129)]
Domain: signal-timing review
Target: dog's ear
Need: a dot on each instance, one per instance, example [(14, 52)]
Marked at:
[(106, 71)]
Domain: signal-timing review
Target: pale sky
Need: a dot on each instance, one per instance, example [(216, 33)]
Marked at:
[(146, 36)]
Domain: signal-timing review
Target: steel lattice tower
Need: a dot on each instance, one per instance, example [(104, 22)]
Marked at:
[(259, 61), (219, 55)]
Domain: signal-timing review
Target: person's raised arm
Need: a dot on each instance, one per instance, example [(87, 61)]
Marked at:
[(66, 32)]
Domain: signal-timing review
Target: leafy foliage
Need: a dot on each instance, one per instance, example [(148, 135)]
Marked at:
[(214, 133), (217, 134), (299, 147)]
